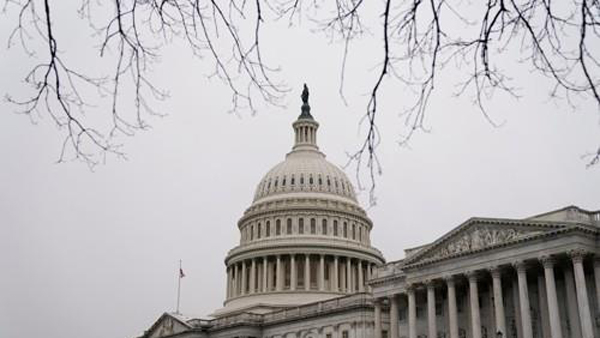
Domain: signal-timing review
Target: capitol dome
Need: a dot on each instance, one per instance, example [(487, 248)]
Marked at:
[(304, 238), (304, 171)]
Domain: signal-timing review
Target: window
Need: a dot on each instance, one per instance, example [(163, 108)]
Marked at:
[(384, 334), (320, 181), (344, 334), (251, 232), (301, 179), (258, 231), (278, 227), (268, 229), (289, 226), (324, 230), (353, 231), (328, 335), (360, 233), (293, 180), (345, 230), (283, 182), (313, 226), (310, 180), (301, 226), (335, 227), (276, 180)]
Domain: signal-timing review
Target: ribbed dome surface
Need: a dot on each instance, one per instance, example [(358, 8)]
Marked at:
[(305, 171)]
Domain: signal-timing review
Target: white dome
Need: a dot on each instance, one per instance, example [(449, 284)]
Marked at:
[(305, 171)]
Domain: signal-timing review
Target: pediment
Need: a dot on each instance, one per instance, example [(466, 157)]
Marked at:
[(480, 234), (167, 325)]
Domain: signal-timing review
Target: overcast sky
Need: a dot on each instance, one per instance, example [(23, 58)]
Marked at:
[(95, 254)]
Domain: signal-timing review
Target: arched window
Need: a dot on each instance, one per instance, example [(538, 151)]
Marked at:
[(360, 233), (251, 232), (289, 226), (353, 231), (324, 229), (283, 182), (320, 181), (301, 179), (268, 229), (310, 180), (335, 227), (258, 231), (313, 226), (293, 180), (278, 227), (345, 230), (301, 226), (276, 180)]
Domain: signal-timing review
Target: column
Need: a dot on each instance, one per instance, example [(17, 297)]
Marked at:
[(265, 286), (348, 275), (361, 279), (293, 270), (278, 275), (553, 310), (394, 330), (498, 302), (474, 299), (238, 279), (597, 279), (228, 292), (253, 276), (377, 328), (431, 320), (244, 279), (336, 270), (452, 310), (571, 302), (524, 299), (412, 313), (307, 273), (322, 273), (583, 303), (368, 276)]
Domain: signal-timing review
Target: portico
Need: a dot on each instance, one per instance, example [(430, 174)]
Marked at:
[(530, 279)]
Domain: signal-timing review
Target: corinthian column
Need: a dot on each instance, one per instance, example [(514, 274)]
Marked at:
[(307, 272), (498, 301), (361, 279), (474, 300), (585, 316), (524, 299), (253, 276), (244, 279), (553, 311), (322, 273), (278, 275), (265, 270), (336, 275), (348, 275), (293, 270), (377, 328), (431, 320), (412, 313), (452, 310), (394, 330)]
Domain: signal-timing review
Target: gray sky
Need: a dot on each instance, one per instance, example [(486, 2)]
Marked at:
[(95, 254)]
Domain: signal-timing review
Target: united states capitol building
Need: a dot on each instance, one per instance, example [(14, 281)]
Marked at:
[(305, 268)]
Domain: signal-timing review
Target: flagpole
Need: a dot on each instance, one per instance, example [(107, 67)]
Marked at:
[(178, 287)]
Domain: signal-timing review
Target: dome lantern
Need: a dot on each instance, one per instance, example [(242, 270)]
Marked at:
[(305, 127)]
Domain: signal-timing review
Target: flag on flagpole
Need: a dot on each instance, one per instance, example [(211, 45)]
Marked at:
[(181, 274)]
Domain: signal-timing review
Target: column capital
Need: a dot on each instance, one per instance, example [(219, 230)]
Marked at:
[(393, 297), (449, 278), (430, 283), (577, 255), (473, 275), (411, 288), (548, 261), (520, 266), (495, 271)]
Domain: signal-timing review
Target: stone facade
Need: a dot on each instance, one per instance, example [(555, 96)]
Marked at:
[(305, 268)]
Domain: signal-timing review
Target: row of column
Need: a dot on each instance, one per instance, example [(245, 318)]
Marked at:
[(281, 272), (548, 263)]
